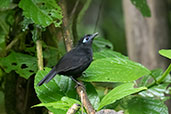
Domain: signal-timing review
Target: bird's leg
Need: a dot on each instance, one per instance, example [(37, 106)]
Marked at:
[(78, 83)]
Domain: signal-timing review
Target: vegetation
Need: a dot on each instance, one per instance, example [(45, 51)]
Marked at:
[(34, 34)]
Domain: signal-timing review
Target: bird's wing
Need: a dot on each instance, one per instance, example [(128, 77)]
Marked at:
[(71, 61)]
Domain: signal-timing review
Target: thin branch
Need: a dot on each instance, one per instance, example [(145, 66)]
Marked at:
[(39, 54), (84, 99), (73, 11), (73, 109), (98, 15), (13, 42)]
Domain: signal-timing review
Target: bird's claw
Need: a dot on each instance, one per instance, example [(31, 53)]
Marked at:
[(79, 84)]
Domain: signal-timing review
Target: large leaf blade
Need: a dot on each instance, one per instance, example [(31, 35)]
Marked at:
[(42, 12), (146, 105), (118, 93), (165, 53), (54, 90), (23, 64), (114, 70)]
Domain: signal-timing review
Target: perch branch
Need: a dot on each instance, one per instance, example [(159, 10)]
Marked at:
[(74, 108), (39, 54), (84, 99)]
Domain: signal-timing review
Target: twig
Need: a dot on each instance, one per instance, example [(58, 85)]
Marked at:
[(84, 99), (73, 109), (84, 9), (13, 42), (73, 11), (98, 16), (39, 54)]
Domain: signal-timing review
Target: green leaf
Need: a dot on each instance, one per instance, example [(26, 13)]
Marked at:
[(64, 104), (24, 65), (145, 105), (158, 91), (108, 54), (166, 53), (114, 70), (142, 6), (54, 90), (101, 44), (118, 93), (42, 12)]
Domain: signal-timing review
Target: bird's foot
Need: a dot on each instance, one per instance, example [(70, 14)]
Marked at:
[(79, 84)]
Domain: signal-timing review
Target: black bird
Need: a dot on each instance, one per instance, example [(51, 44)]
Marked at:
[(74, 62)]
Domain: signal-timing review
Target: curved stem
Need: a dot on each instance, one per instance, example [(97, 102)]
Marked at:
[(162, 77)]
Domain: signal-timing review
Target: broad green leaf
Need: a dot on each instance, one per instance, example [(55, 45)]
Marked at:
[(142, 6), (158, 91), (145, 105), (24, 65), (114, 70), (64, 104), (165, 53), (54, 90), (101, 44), (42, 12), (118, 93), (108, 54)]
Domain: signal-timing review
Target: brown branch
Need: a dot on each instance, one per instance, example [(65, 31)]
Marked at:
[(39, 54), (65, 28), (74, 108), (84, 99)]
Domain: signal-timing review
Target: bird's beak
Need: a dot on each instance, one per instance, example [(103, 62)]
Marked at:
[(94, 35)]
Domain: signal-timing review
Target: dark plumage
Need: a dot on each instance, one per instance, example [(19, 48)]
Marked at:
[(74, 62)]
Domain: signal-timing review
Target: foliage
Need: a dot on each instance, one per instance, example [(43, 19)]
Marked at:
[(165, 53), (114, 69), (119, 92), (23, 23), (142, 6), (42, 12), (20, 63), (145, 105)]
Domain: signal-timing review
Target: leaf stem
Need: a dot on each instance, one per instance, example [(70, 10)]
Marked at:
[(164, 74), (162, 77)]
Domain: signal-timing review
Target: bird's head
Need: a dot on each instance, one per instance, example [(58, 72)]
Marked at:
[(87, 39)]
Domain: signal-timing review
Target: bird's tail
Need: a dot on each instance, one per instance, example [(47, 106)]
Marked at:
[(48, 77)]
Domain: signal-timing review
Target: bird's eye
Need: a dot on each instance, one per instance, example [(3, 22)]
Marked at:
[(85, 40)]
